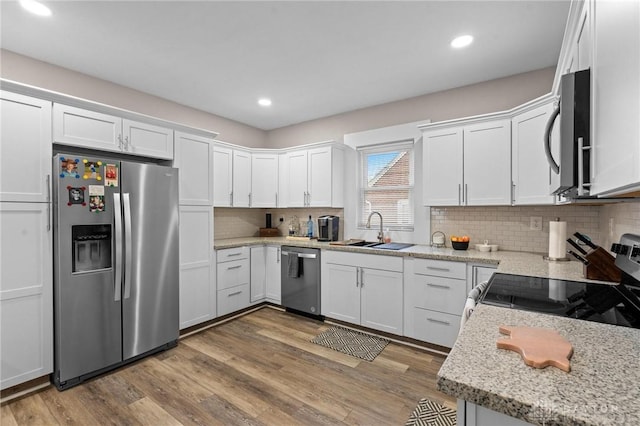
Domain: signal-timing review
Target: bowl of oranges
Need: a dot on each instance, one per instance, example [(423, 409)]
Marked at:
[(460, 243)]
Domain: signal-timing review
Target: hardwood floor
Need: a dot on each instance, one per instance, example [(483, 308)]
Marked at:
[(258, 369)]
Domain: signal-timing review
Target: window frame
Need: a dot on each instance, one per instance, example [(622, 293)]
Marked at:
[(362, 179)]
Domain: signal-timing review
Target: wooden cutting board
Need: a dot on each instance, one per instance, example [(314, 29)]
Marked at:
[(538, 347)]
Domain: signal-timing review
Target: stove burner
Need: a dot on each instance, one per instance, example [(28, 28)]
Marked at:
[(610, 304)]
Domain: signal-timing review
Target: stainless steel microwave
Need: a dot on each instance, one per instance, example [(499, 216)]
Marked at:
[(570, 168)]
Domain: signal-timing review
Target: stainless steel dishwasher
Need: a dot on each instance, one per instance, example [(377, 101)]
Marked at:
[(301, 279)]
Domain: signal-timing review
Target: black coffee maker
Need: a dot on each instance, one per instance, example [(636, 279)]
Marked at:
[(328, 228)]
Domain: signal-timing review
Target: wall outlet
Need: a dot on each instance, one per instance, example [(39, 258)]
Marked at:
[(535, 223)]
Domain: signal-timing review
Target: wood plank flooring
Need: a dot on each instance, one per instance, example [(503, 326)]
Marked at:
[(259, 369)]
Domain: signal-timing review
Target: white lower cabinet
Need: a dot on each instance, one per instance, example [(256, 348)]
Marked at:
[(233, 279), (363, 289), (435, 293), (265, 274), (197, 271), (470, 414), (26, 293), (273, 280), (258, 274)]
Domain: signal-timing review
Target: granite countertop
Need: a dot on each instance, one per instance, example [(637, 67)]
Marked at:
[(602, 388), (509, 262)]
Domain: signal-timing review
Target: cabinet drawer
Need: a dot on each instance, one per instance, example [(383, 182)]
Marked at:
[(233, 273), (233, 299), (441, 268), (436, 327), (446, 295), (235, 253)]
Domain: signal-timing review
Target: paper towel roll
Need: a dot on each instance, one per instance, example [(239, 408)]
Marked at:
[(557, 239)]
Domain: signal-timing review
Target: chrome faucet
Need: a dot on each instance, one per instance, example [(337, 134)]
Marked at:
[(380, 234)]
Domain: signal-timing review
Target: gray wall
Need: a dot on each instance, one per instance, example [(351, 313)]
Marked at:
[(47, 76), (480, 98), (491, 96)]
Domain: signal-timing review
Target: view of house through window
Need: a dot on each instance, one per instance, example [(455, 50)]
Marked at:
[(386, 184)]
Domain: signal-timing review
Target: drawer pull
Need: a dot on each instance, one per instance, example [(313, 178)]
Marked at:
[(438, 321), (234, 267), (438, 285), (434, 268), (235, 293), (234, 254)]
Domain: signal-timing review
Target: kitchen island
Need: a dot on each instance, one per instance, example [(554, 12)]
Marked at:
[(602, 388)]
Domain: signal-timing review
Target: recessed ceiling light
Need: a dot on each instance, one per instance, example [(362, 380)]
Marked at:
[(462, 41), (264, 102), (35, 7)]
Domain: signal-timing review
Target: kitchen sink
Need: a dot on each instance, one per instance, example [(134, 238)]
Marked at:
[(380, 246)]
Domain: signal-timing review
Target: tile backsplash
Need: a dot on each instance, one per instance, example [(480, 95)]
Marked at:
[(509, 227), (505, 226), (240, 222)]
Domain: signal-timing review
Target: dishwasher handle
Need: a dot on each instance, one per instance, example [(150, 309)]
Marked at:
[(303, 255)]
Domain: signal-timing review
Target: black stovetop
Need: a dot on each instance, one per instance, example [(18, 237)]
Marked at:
[(610, 304)]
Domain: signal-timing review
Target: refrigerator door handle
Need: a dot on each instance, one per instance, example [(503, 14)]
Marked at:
[(117, 216), (127, 245)]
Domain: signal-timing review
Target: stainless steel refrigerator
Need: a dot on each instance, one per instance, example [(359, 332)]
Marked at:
[(115, 263)]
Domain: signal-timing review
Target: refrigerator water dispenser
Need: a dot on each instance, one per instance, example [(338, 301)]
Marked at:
[(91, 247)]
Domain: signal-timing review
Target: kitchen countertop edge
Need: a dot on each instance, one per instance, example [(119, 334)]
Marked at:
[(508, 262)]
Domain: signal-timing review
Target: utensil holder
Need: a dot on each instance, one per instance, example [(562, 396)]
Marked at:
[(602, 266)]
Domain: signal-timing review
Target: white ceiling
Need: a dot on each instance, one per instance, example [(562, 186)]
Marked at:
[(312, 58)]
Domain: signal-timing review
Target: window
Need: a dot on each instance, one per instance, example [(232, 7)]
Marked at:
[(386, 184)]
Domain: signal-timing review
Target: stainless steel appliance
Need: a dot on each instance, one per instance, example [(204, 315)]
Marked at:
[(328, 228), (570, 174), (115, 263), (611, 304), (301, 279)]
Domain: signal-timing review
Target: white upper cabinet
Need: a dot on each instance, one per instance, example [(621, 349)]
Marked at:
[(296, 179), (530, 171), (615, 98), (25, 154), (241, 178), (319, 177), (194, 158), (468, 165), (264, 180), (314, 178), (89, 129), (147, 140), (442, 167), (222, 176), (487, 163)]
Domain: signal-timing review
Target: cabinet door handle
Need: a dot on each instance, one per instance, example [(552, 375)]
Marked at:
[(126, 143), (48, 183), (276, 199), (466, 194), (361, 277), (513, 192), (435, 268), (438, 321), (437, 285), (48, 217), (120, 142), (249, 199), (459, 194), (235, 293), (278, 261), (234, 267)]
